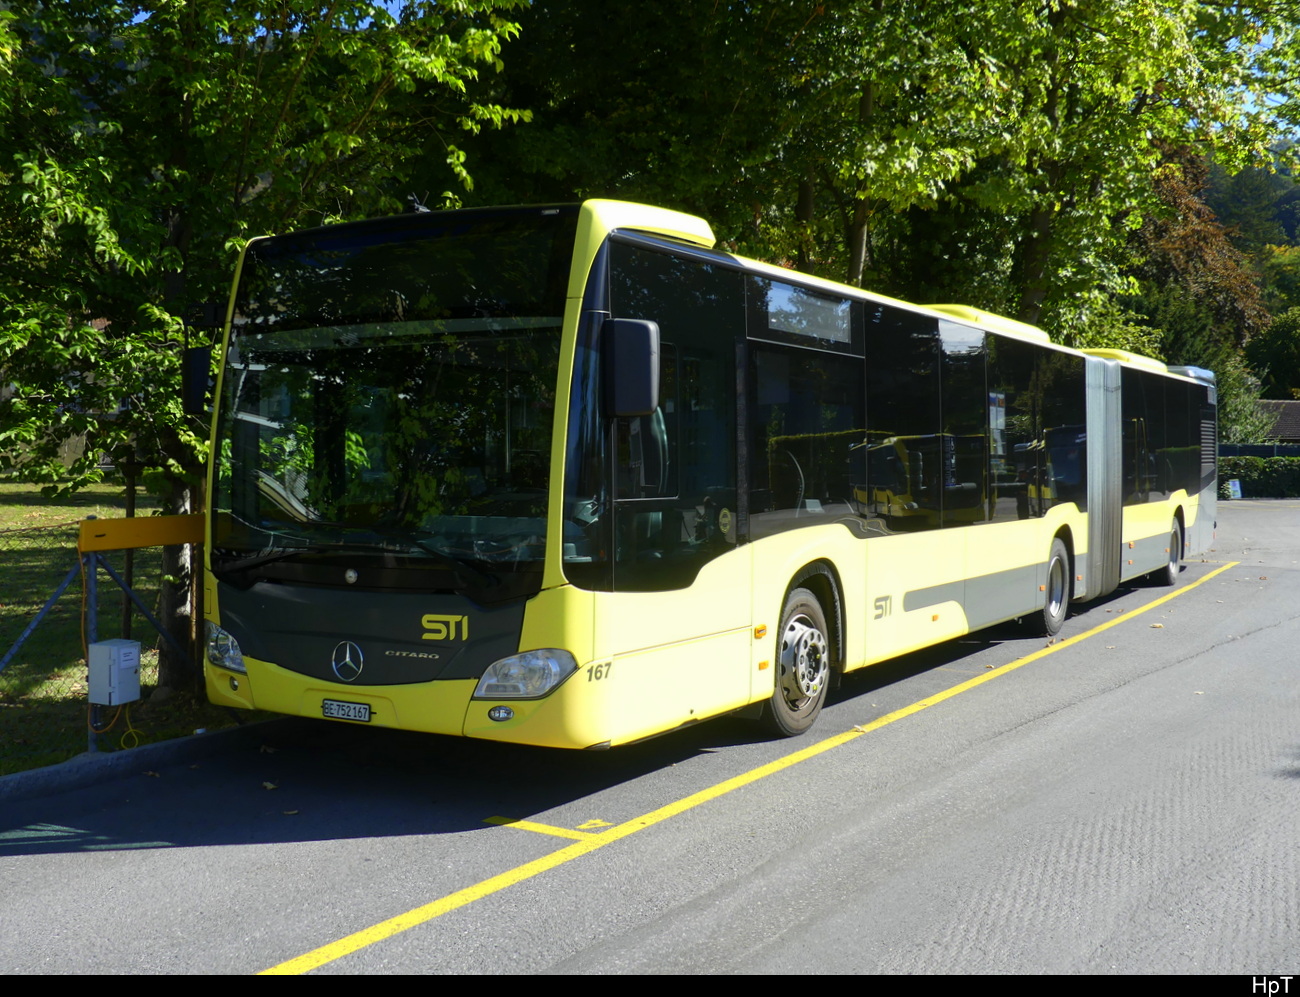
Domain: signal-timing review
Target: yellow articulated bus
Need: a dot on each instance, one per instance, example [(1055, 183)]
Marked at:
[(568, 476)]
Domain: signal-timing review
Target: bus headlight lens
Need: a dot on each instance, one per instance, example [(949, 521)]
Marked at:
[(530, 675), (223, 650)]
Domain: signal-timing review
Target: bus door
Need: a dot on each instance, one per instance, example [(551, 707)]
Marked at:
[(677, 623)]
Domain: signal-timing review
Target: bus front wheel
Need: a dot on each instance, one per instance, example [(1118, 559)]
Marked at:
[(1056, 593), (803, 666)]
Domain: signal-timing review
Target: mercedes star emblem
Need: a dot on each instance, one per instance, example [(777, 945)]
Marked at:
[(348, 661)]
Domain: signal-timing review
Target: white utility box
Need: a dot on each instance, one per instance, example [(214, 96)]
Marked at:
[(114, 672)]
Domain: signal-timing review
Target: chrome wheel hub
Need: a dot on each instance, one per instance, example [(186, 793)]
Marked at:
[(804, 659)]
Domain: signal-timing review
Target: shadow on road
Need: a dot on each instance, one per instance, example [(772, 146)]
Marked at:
[(306, 780)]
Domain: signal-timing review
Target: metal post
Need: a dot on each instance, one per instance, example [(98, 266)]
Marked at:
[(128, 468), (143, 609), (90, 564), (32, 624)]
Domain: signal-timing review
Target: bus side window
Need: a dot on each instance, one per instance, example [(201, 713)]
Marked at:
[(806, 427), (965, 410), (904, 488)]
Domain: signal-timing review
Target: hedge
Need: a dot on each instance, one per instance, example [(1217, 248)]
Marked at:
[(1261, 477)]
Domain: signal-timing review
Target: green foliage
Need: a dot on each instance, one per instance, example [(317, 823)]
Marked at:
[(1261, 477), (1043, 161), (1097, 320), (1185, 256), (1241, 420), (1195, 294), (1280, 267), (143, 143), (1275, 355), (1000, 153), (1252, 204), (146, 142)]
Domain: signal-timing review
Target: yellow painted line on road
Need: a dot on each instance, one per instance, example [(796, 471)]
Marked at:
[(461, 898), (532, 825)]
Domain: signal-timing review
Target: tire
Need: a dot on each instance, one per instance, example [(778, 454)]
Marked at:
[(803, 666), (1168, 575), (1056, 593)]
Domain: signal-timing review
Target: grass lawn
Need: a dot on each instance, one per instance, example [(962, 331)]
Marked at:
[(23, 506), (43, 710)]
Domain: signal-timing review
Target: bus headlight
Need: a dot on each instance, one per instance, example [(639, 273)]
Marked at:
[(223, 650), (529, 675)]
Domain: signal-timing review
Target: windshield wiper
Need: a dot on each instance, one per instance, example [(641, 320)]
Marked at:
[(314, 547), (459, 566), (468, 575)]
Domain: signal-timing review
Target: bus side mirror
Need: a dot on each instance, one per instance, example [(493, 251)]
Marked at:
[(629, 351), (196, 367)]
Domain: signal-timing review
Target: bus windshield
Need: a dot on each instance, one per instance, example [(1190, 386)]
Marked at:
[(389, 394)]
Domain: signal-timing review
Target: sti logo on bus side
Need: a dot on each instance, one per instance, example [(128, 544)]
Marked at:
[(444, 627)]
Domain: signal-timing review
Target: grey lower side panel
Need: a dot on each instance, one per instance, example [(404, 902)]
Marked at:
[(1002, 596), (1147, 556), (986, 599), (933, 595), (1200, 535)]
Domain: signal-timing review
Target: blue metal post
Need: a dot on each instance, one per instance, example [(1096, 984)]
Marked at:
[(90, 563), (9, 655)]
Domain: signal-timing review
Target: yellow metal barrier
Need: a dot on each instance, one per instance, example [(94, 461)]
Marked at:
[(141, 531)]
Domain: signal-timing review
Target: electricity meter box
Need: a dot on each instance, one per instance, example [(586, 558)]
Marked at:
[(114, 672)]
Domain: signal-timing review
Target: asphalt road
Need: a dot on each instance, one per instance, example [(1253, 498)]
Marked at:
[(1123, 800)]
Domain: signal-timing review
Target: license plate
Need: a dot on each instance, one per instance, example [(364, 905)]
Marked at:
[(345, 711)]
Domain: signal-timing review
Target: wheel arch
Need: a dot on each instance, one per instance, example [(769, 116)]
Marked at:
[(822, 579)]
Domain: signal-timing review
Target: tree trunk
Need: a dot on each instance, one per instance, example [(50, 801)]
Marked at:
[(1035, 252), (858, 252), (804, 210), (178, 673)]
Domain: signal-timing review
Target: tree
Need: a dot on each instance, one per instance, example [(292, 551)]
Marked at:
[(1281, 276), (999, 153), (1275, 355), (145, 142), (1184, 250)]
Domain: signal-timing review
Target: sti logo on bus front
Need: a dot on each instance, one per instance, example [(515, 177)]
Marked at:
[(444, 627)]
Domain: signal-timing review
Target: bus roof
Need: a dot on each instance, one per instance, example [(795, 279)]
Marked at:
[(609, 215), (994, 322), (1132, 359)]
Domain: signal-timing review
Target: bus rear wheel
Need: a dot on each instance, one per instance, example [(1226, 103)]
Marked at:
[(803, 666), (1168, 575), (1056, 594)]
